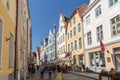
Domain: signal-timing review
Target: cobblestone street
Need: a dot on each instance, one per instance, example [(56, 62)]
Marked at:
[(65, 77)]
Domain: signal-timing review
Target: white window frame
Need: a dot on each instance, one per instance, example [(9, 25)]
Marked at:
[(80, 42), (74, 20), (115, 25), (11, 65), (74, 31), (79, 27), (99, 32), (75, 45), (70, 33), (98, 11), (113, 2), (89, 38), (88, 19)]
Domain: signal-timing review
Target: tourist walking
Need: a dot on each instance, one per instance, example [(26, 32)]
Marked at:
[(49, 72), (58, 74), (29, 69), (41, 69)]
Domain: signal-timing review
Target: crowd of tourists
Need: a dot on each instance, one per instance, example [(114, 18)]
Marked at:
[(54, 71)]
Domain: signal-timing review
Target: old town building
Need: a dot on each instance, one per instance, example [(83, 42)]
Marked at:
[(7, 38), (101, 23), (74, 36)]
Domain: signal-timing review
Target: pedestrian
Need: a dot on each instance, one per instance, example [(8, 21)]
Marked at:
[(41, 69), (83, 66), (37, 68), (49, 72), (29, 68), (58, 74)]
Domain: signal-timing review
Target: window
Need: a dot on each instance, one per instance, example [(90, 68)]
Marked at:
[(74, 60), (1, 29), (70, 23), (79, 27), (71, 34), (74, 20), (97, 59), (80, 43), (74, 31), (11, 51), (112, 2), (72, 46), (88, 20), (68, 36), (98, 11), (68, 47), (63, 37), (115, 25), (99, 31), (89, 38), (7, 5), (75, 45)]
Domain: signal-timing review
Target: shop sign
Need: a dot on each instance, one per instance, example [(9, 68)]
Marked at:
[(108, 59)]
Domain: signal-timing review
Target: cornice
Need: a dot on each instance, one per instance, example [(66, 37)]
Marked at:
[(90, 7)]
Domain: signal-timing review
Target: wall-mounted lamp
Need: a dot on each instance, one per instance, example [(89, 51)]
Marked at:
[(7, 39)]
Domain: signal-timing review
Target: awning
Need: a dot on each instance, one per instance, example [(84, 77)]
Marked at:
[(63, 59)]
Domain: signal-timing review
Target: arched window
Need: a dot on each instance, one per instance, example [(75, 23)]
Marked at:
[(1, 29)]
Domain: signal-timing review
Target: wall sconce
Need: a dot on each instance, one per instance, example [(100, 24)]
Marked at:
[(7, 39)]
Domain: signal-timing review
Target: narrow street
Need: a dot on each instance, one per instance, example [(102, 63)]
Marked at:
[(65, 77)]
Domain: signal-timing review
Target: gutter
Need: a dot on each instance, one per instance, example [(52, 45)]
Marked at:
[(15, 56)]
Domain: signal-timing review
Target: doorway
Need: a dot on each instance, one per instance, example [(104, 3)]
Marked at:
[(117, 61)]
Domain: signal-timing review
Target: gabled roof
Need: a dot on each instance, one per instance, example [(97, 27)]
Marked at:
[(80, 10)]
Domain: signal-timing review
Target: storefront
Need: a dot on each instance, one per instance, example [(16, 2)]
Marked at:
[(117, 58), (97, 61)]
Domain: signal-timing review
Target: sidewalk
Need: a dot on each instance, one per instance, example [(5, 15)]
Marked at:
[(93, 76)]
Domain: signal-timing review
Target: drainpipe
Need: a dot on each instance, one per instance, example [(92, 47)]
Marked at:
[(16, 30)]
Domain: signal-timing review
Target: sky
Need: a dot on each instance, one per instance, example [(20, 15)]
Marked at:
[(45, 13)]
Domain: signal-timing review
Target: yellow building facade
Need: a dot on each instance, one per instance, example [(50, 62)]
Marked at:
[(74, 32), (7, 38)]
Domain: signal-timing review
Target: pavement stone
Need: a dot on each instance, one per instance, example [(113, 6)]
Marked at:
[(68, 76), (89, 75)]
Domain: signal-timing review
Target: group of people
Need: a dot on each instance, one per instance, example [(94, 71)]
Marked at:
[(56, 69), (31, 69)]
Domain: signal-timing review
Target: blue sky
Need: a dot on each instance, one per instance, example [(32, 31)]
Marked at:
[(45, 13)]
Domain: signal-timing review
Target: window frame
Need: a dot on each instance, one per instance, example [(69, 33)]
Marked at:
[(99, 29), (88, 19), (74, 31), (115, 25), (98, 11), (80, 43), (74, 20), (11, 65), (70, 33), (89, 38), (113, 3), (79, 27)]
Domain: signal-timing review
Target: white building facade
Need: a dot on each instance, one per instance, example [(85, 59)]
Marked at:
[(101, 21), (61, 38), (49, 49)]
